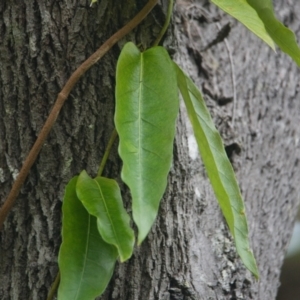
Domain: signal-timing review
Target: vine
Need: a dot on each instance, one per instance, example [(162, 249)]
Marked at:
[(147, 104), (62, 96)]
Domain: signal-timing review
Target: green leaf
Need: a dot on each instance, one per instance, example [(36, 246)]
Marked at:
[(244, 13), (218, 167), (282, 36), (102, 198), (146, 109), (86, 262)]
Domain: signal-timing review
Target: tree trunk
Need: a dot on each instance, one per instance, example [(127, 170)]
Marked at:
[(189, 253)]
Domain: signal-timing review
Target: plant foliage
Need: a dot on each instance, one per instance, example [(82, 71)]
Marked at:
[(247, 15), (258, 16), (282, 36), (218, 167), (96, 228), (146, 109), (86, 262), (102, 199)]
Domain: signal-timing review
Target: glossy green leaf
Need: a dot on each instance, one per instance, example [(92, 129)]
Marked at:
[(146, 109), (102, 198), (282, 36), (218, 167), (86, 262), (244, 13)]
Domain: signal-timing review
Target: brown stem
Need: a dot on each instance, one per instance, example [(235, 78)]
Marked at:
[(62, 96)]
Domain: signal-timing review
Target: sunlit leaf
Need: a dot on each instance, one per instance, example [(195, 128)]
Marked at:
[(282, 36), (244, 13), (102, 198), (86, 262), (146, 109), (218, 167)]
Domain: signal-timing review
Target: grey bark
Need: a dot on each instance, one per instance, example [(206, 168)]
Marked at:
[(189, 253)]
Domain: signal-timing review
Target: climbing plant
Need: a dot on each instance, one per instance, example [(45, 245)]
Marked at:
[(147, 104), (96, 229)]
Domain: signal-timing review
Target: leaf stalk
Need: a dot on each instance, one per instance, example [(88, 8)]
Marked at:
[(107, 152), (166, 24)]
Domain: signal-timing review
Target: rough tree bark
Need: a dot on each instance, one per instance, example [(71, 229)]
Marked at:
[(189, 254)]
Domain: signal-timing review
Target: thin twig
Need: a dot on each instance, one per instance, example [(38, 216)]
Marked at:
[(166, 24), (54, 287), (107, 151), (62, 96)]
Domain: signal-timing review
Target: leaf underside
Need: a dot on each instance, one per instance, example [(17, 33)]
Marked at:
[(243, 12), (282, 36), (102, 198), (86, 262), (218, 167), (146, 109)]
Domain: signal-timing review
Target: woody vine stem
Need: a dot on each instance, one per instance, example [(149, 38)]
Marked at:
[(62, 97)]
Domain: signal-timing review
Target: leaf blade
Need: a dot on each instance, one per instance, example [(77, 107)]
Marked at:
[(218, 167), (102, 199), (146, 109), (282, 36), (244, 13), (86, 262)]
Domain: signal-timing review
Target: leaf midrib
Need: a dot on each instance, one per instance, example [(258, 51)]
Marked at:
[(215, 166), (140, 115), (110, 219), (85, 256)]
